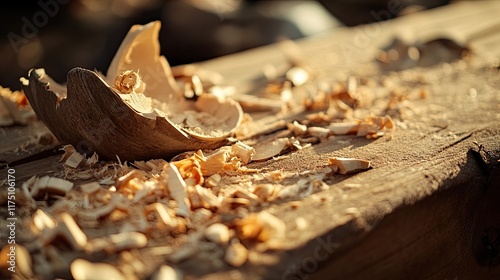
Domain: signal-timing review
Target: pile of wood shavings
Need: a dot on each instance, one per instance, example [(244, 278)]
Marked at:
[(117, 208), (206, 205)]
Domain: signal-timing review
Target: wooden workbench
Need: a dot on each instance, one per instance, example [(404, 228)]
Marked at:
[(432, 199)]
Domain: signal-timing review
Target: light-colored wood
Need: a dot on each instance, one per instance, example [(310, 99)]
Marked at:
[(421, 212)]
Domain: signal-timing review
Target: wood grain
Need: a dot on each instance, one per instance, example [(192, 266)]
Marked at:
[(422, 211)]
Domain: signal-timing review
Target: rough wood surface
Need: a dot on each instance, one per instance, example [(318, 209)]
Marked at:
[(414, 216), (19, 142), (422, 211)]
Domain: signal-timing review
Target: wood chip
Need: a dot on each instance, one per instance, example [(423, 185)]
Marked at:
[(319, 132), (243, 151), (208, 199), (51, 185), (236, 254), (218, 233), (166, 272), (117, 242), (213, 181), (71, 232), (163, 216), (90, 188), (183, 253), (264, 191), (177, 188), (14, 108), (102, 211), (42, 221), (214, 163), (297, 75), (190, 170), (271, 149), (125, 179), (349, 165), (74, 160), (344, 128), (296, 128), (84, 270), (260, 227)]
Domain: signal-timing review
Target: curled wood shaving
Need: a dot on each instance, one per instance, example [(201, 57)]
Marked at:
[(190, 169), (129, 82)]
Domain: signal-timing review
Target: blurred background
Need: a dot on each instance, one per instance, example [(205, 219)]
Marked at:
[(59, 35)]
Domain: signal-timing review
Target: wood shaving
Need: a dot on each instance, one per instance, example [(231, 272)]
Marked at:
[(218, 233), (296, 128), (264, 191), (297, 75), (67, 229), (268, 150), (85, 270), (213, 181), (176, 186), (42, 221), (48, 185), (349, 165), (260, 227), (243, 151), (14, 108), (117, 242), (320, 132), (236, 254), (167, 272)]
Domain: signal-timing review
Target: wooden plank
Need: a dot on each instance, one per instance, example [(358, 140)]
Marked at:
[(19, 142), (409, 182), (421, 212)]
